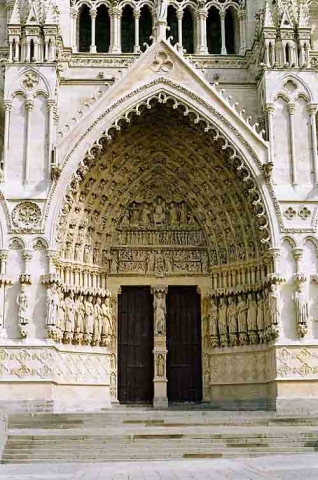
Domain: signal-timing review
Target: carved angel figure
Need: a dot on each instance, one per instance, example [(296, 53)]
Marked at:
[(24, 305), (160, 313), (52, 303)]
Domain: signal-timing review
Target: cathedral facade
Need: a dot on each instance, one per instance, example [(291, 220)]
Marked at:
[(159, 204)]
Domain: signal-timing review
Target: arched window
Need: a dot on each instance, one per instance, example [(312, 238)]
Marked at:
[(213, 29), (32, 51), (173, 24), (85, 27), (187, 30), (127, 30), (232, 36), (145, 27), (102, 29)]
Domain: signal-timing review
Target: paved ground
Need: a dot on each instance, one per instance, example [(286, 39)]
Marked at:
[(296, 467)]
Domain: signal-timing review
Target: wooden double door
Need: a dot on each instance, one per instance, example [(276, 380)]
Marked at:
[(135, 345)]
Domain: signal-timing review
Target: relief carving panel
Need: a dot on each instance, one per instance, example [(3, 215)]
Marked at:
[(52, 365)]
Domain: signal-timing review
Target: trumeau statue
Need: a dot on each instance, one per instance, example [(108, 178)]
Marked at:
[(160, 313), (160, 365)]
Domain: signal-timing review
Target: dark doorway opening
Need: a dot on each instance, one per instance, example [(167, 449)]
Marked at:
[(184, 370), (135, 345)]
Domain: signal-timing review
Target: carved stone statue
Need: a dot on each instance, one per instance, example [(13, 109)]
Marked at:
[(160, 365), (61, 317), (174, 214), (223, 322), (242, 320), (79, 320), (159, 214), (274, 310), (23, 302), (88, 320), (252, 318), (302, 312), (69, 318), (52, 303), (97, 321), (107, 322), (160, 312), (213, 324), (232, 321), (162, 10), (145, 215), (260, 316)]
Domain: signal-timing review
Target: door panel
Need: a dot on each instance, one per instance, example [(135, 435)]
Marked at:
[(135, 345), (184, 369)]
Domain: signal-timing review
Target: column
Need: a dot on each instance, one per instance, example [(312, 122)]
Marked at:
[(17, 48), (46, 49), (298, 254), (29, 105), (74, 15), (160, 349), (201, 16), (50, 109), (291, 111), (10, 50), (136, 17), (312, 110), (242, 20), (269, 109), (93, 14), (28, 50), (223, 47), (180, 40), (4, 258), (115, 40), (7, 110)]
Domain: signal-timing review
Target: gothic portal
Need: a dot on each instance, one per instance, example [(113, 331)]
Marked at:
[(159, 204)]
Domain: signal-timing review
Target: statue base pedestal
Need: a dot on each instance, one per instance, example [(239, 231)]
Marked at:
[(161, 30), (160, 402)]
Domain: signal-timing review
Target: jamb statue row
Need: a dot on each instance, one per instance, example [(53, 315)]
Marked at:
[(80, 320), (243, 319)]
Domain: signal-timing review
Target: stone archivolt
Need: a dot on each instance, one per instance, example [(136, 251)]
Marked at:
[(163, 198)]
